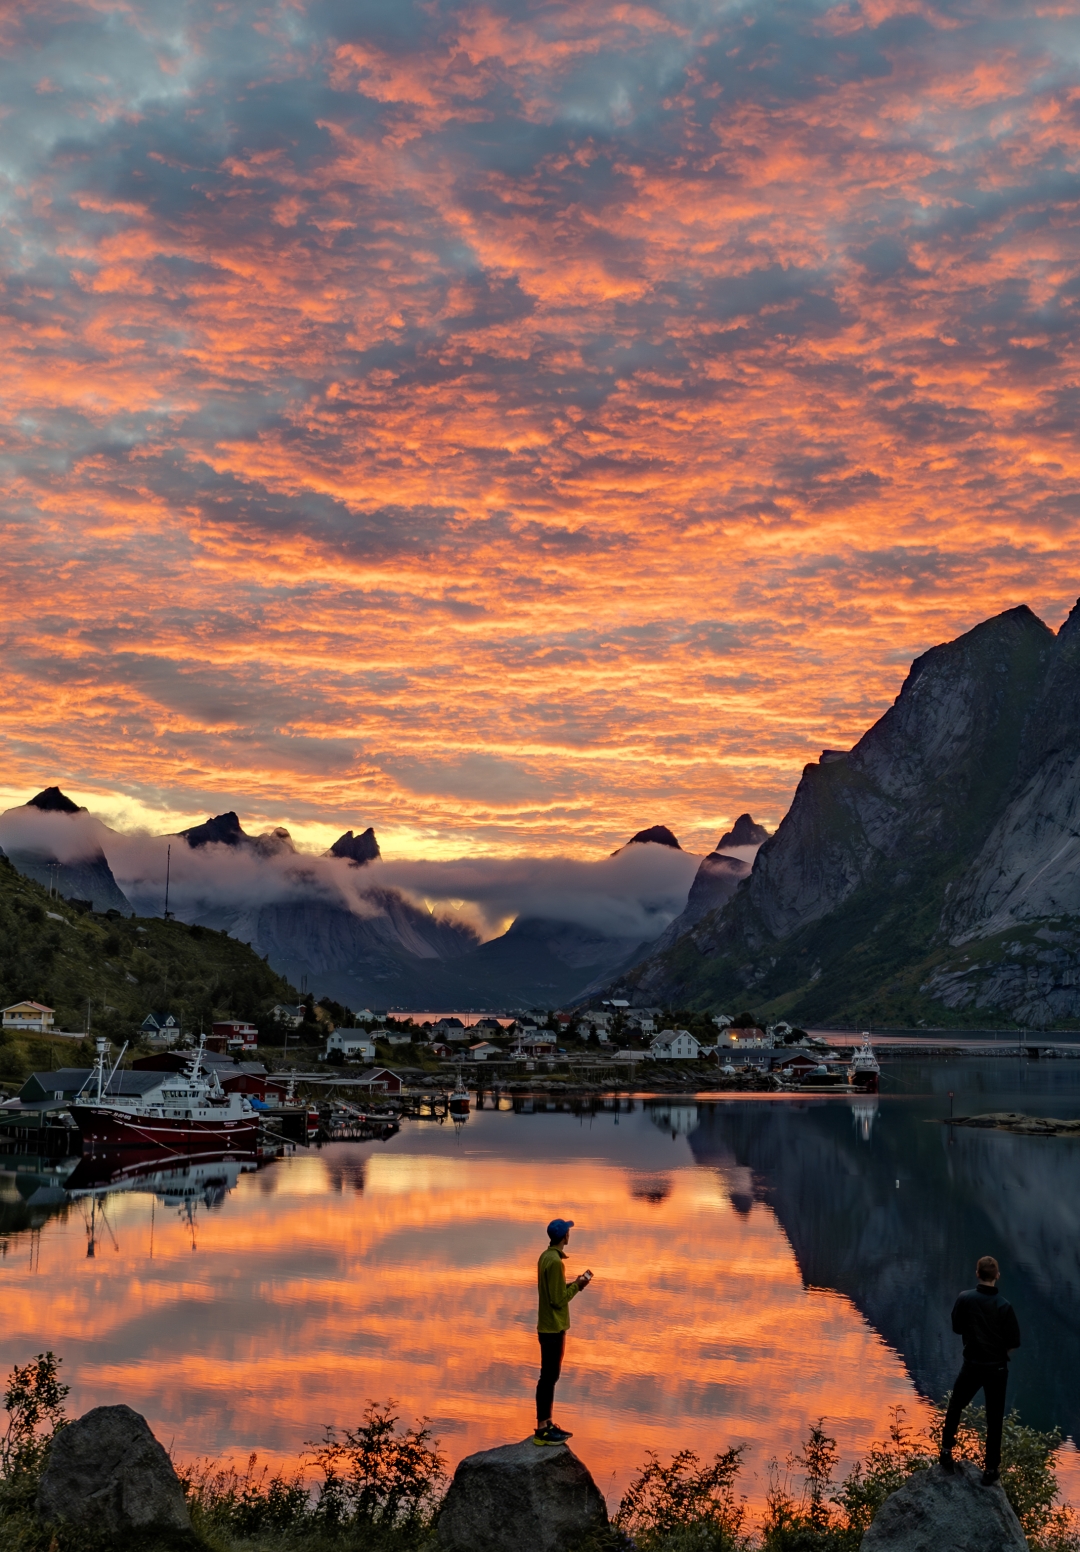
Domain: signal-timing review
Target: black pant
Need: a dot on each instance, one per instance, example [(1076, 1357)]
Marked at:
[(552, 1344), (991, 1379)]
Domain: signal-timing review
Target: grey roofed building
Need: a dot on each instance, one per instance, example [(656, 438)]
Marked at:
[(68, 1081)]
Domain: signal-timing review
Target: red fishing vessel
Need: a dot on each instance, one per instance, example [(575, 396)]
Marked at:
[(162, 1109)]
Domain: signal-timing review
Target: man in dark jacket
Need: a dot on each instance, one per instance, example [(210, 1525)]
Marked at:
[(990, 1331)]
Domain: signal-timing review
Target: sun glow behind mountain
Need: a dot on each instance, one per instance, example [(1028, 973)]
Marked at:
[(510, 425)]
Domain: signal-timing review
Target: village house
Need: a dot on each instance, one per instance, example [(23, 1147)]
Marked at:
[(674, 1045), (290, 1014), (380, 1080), (448, 1029), (355, 1045), (163, 1028), (482, 1050), (538, 1043), (232, 1035), (28, 1015)]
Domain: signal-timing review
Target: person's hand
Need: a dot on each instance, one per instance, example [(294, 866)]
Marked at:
[(584, 1280)]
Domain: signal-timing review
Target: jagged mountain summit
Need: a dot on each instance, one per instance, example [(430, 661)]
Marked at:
[(221, 830), (56, 843), (931, 868), (52, 801), (744, 832), (357, 848), (658, 835), (717, 878)]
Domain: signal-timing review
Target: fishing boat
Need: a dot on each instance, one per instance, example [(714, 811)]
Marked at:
[(459, 1099), (162, 1109), (865, 1071)]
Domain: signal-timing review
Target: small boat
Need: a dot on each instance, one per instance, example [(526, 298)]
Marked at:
[(179, 1110), (865, 1071), (459, 1099)]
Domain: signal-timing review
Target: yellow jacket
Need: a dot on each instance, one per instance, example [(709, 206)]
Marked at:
[(555, 1296)]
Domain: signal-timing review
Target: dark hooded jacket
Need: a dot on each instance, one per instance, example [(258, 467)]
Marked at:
[(988, 1325)]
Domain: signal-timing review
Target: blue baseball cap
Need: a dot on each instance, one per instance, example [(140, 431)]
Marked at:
[(559, 1228)]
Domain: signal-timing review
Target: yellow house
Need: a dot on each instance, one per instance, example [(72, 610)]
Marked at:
[(28, 1015)]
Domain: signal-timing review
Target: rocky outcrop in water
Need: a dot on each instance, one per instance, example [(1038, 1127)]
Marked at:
[(932, 866), (520, 1498), (108, 1475)]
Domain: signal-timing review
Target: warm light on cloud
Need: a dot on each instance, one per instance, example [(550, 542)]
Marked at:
[(514, 427)]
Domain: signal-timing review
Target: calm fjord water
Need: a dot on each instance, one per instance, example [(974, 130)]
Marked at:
[(759, 1263)]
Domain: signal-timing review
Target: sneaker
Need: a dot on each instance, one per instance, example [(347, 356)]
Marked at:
[(990, 1477), (551, 1434), (946, 1462)]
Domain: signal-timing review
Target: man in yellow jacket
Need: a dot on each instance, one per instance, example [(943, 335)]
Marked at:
[(553, 1324)]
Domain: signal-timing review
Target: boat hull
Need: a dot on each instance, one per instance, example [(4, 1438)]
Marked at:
[(119, 1129)]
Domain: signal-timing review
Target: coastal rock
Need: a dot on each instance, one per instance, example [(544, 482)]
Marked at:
[(934, 1512), (520, 1498), (106, 1471)]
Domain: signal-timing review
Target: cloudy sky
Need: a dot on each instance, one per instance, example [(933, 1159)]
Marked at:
[(512, 424)]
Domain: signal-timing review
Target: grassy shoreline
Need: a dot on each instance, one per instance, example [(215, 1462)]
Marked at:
[(381, 1483)]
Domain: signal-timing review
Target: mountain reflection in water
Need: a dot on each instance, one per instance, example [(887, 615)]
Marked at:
[(756, 1267)]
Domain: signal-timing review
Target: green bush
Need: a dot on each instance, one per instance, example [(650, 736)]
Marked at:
[(381, 1487)]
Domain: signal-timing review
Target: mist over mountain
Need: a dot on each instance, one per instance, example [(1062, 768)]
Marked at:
[(56, 843), (481, 932), (928, 872)]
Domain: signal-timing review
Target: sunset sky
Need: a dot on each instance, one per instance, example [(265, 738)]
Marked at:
[(512, 424)]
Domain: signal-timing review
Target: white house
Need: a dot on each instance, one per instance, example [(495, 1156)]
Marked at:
[(482, 1050), (643, 1021), (674, 1045), (356, 1045), (448, 1029), (290, 1014), (29, 1015)]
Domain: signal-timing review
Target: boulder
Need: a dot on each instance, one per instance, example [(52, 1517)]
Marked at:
[(107, 1472), (935, 1512), (520, 1498)]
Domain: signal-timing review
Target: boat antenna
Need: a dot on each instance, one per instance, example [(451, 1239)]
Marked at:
[(168, 864)]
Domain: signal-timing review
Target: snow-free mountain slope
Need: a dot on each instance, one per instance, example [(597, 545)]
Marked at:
[(952, 821)]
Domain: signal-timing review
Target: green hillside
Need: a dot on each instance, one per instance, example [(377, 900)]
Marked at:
[(125, 967)]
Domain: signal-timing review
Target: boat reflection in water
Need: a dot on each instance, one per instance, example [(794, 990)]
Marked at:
[(183, 1182)]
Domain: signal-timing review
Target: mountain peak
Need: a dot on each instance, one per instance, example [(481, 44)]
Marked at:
[(223, 830), (357, 848), (52, 801), (744, 832), (659, 835)]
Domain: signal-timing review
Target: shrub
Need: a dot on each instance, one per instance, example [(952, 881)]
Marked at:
[(685, 1505), (378, 1477)]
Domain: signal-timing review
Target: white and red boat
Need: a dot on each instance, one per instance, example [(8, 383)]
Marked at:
[(865, 1070), (162, 1109)]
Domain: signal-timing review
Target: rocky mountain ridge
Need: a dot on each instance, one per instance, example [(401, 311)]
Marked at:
[(953, 824), (336, 923)]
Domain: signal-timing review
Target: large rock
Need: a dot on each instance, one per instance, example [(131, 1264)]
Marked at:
[(107, 1472), (520, 1498), (934, 1512)]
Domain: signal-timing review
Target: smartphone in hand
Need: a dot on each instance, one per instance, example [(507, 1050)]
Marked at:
[(586, 1278)]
